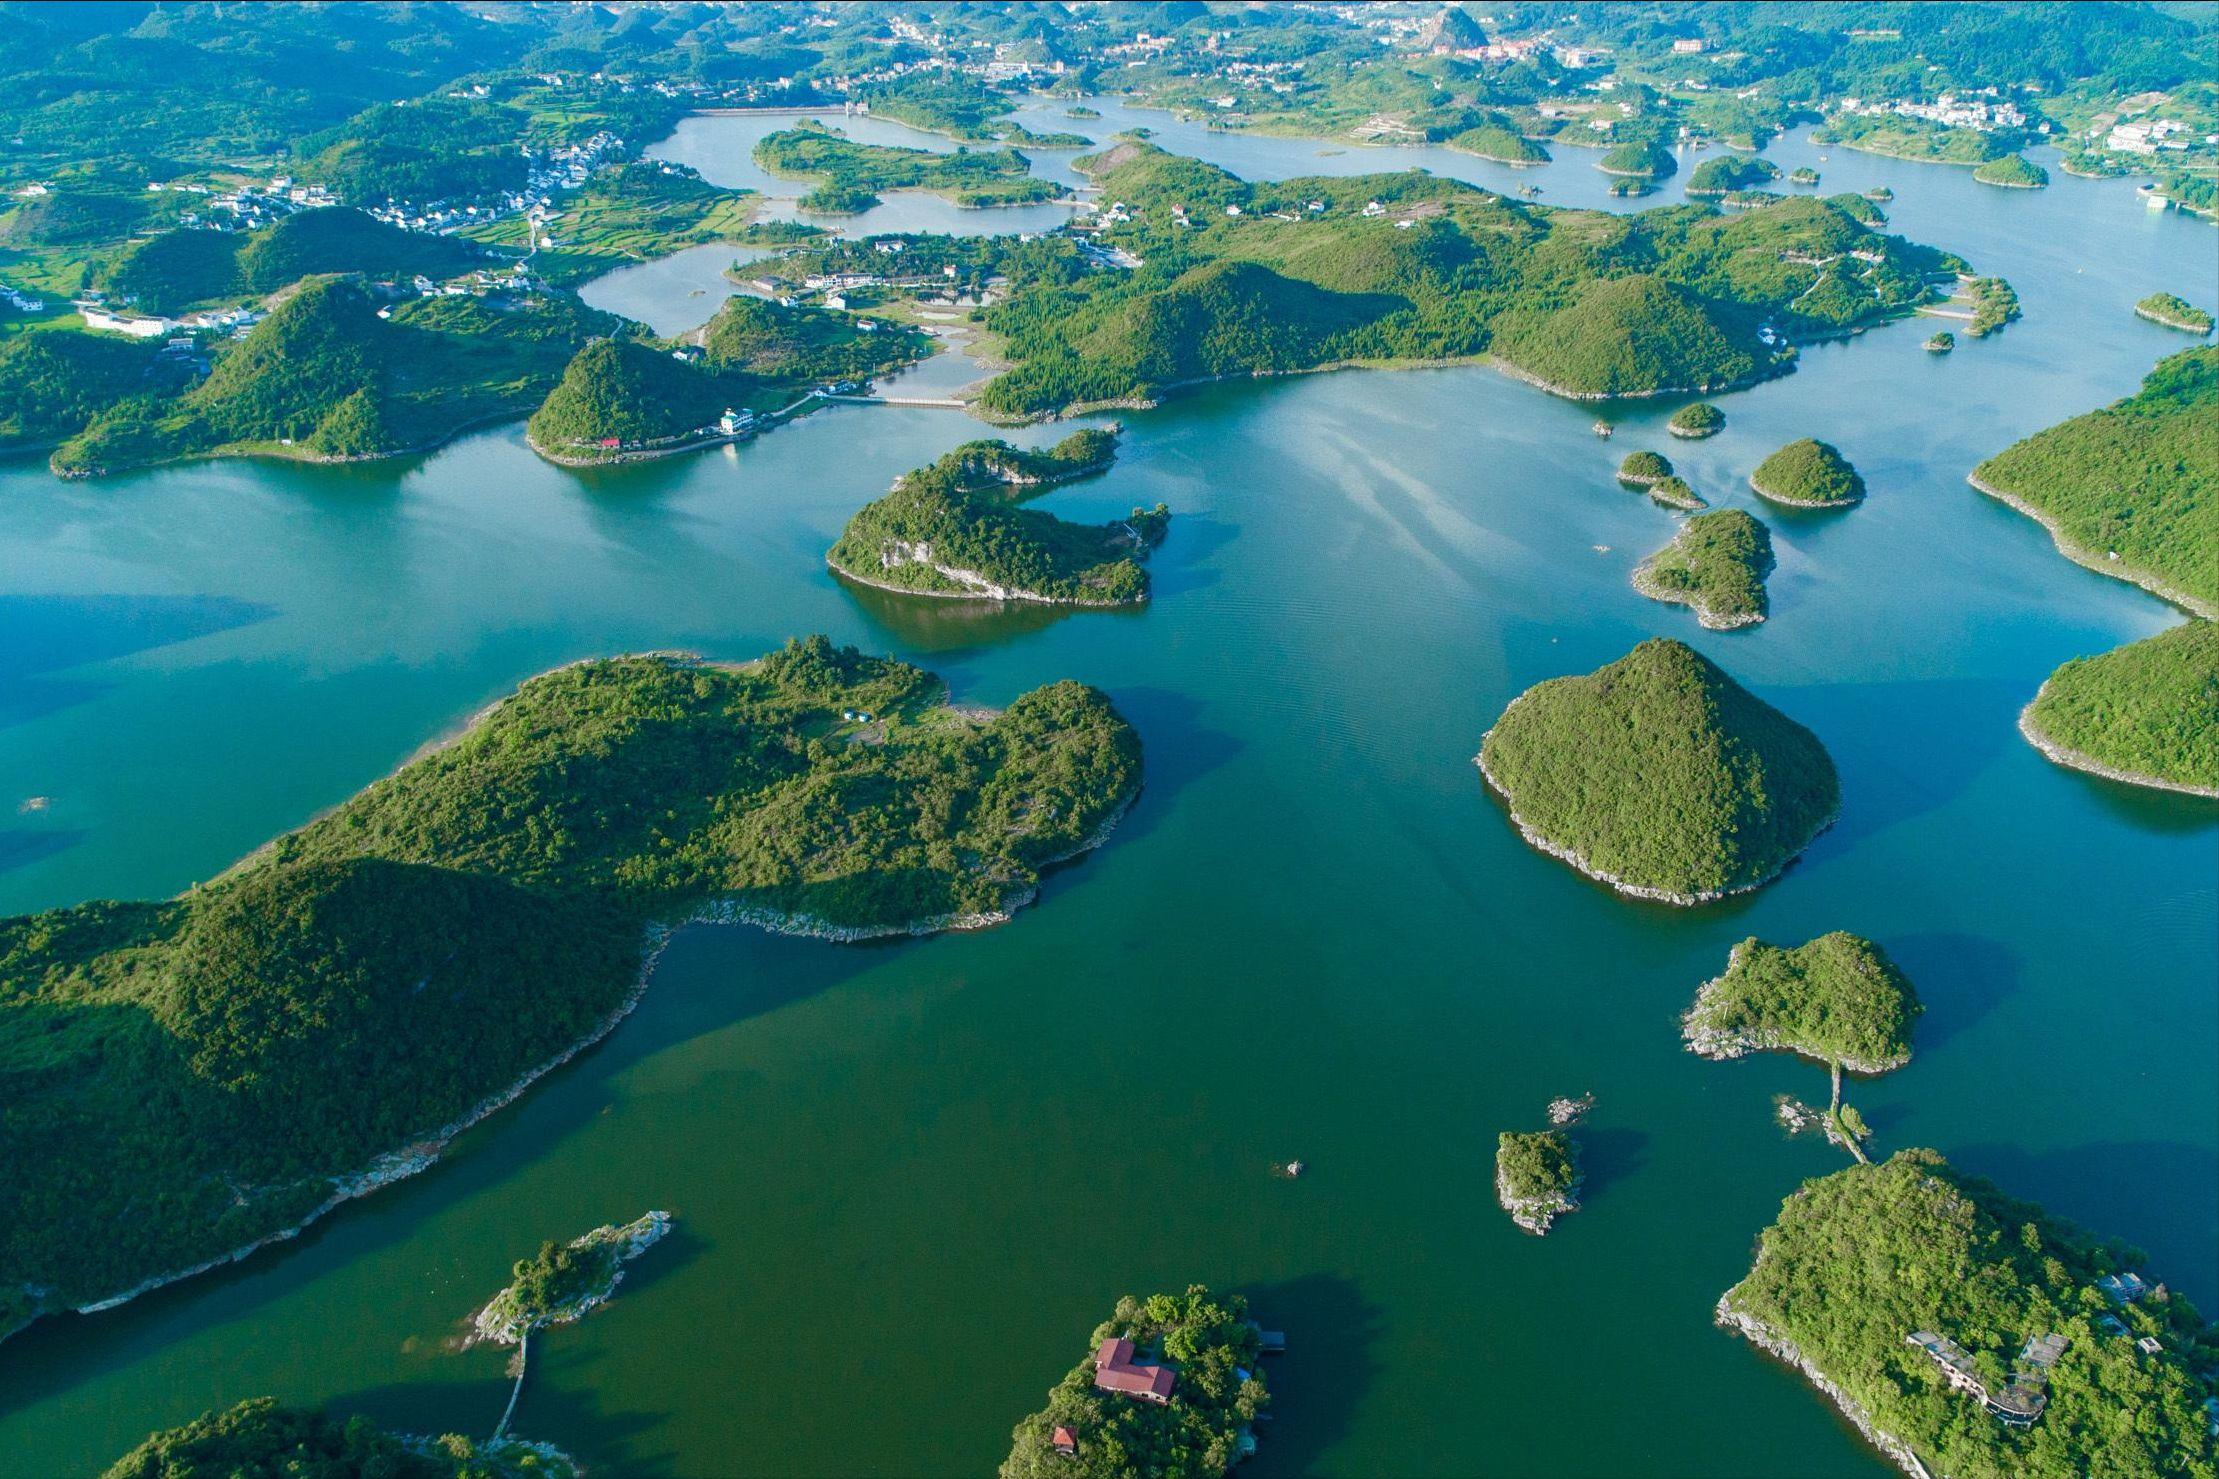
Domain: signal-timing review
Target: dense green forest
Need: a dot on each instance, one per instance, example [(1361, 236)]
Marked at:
[(1268, 278), (1808, 474), (1643, 159), (2149, 709), (326, 376), (1661, 775), (2132, 489), (1219, 1392), (1727, 172), (2014, 171), (804, 346), (852, 174), (53, 382), (189, 267), (1861, 1259), (181, 1078), (1717, 564), (1697, 421), (1837, 998), (964, 514), (258, 1439)]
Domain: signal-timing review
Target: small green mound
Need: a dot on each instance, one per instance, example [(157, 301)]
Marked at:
[(1498, 140), (1642, 159), (1731, 172), (1941, 343), (2147, 712), (1808, 474), (1662, 776), (1717, 564), (1837, 998), (1674, 492), (1643, 468), (2013, 171), (1697, 421), (2174, 313), (1537, 1176), (258, 1439)]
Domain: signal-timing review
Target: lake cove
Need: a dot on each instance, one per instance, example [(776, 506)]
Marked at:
[(1363, 570)]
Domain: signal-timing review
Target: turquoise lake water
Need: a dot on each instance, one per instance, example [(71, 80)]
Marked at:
[(910, 1178)]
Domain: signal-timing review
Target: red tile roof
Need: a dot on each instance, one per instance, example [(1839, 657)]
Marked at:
[(1064, 1440), (1114, 1371)]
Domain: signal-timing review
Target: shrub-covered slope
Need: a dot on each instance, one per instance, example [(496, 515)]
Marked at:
[(2147, 712)]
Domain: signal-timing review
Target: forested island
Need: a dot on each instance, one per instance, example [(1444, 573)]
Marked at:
[(564, 1282), (259, 1439), (849, 175), (1239, 278), (1716, 564), (1838, 999), (1172, 1385), (628, 398), (2012, 172), (1640, 159), (321, 1018), (1730, 172), (2127, 490), (1537, 1177), (2174, 313), (1808, 474), (1966, 1333), (1697, 421), (2146, 713), (1661, 776), (959, 528), (1497, 138)]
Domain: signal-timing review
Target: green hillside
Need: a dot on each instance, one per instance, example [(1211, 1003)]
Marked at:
[(1661, 776), (1808, 474), (1837, 998), (1727, 172), (635, 393), (2148, 711), (2013, 171), (185, 1077), (958, 528), (2133, 489), (1859, 1261), (1717, 564), (54, 381), (190, 267), (1630, 336), (849, 174), (1498, 139), (258, 1439)]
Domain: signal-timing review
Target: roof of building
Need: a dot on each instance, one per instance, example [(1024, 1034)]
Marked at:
[(2043, 1350), (1114, 1371)]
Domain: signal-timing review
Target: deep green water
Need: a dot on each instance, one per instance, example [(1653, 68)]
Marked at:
[(909, 1178)]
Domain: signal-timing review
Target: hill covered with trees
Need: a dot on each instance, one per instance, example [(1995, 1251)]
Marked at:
[(1860, 1261), (2147, 713), (187, 1077), (1218, 1391), (1717, 564), (849, 174), (1837, 998), (1661, 776), (959, 528), (2129, 490), (188, 267), (258, 1439), (1808, 474)]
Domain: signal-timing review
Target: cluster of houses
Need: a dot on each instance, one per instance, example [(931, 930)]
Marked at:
[(21, 301), (2157, 135), (1983, 112), (563, 168), (111, 318)]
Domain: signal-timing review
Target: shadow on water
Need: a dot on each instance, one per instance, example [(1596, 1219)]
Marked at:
[(1315, 1387), (20, 846), (937, 624), (721, 975), (2175, 1185), (1959, 978), (1608, 1156), (1184, 563), (2166, 813), (1953, 730), (567, 1416), (41, 635), (1180, 749)]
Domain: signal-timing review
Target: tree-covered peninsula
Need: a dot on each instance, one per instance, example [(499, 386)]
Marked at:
[(2174, 313), (258, 1439), (188, 1078), (1238, 279), (336, 372), (959, 528), (1969, 1334), (2129, 490), (2146, 713), (1716, 564), (1661, 776), (627, 399), (1171, 1385), (849, 175), (192, 267), (1496, 137), (1808, 474), (1838, 999)]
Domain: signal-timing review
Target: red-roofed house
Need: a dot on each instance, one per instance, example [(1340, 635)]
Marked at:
[(1114, 1371), (1065, 1442)]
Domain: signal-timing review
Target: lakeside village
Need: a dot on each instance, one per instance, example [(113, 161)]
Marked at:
[(2020, 1400)]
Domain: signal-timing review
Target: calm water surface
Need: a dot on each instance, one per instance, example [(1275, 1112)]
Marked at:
[(910, 1178)]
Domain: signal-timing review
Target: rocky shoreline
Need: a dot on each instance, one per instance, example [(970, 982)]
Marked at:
[(1778, 1346), (1536, 1214), (1644, 581), (1632, 890), (498, 1324), (977, 587), (1811, 503), (2073, 759), (2150, 582), (2200, 330), (1721, 1046)]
